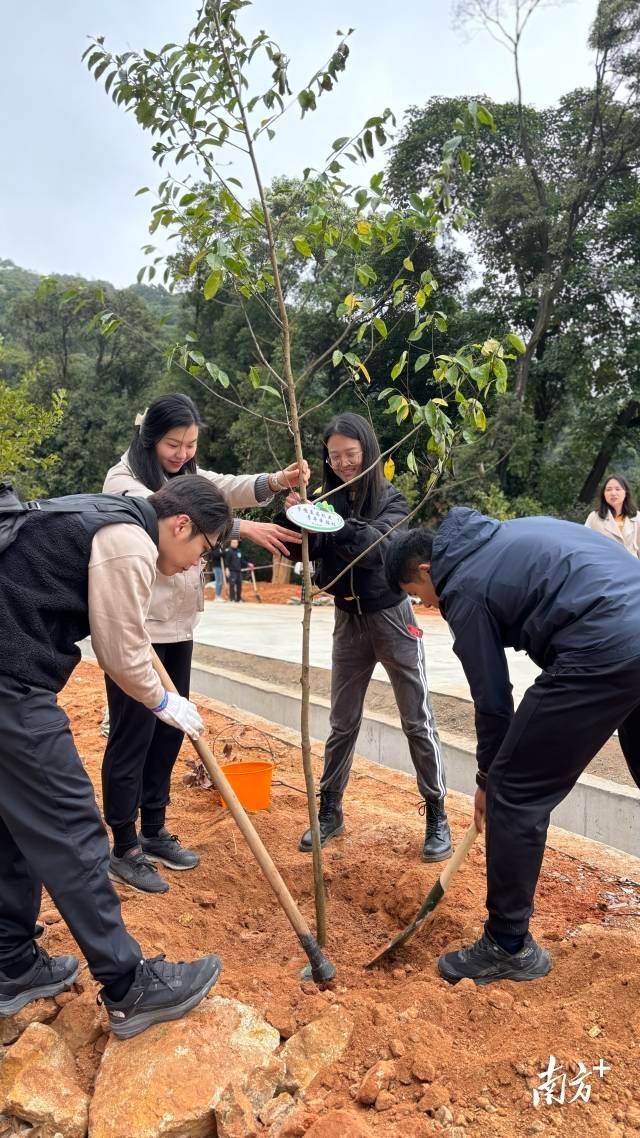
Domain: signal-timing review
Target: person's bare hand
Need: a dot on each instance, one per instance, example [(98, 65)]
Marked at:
[(270, 536), (292, 499), (480, 808), (292, 476)]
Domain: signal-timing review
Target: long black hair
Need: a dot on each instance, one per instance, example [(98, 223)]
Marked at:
[(629, 508), (161, 416), (365, 493)]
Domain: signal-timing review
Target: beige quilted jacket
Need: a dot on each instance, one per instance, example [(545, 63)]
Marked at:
[(177, 601), (628, 535)]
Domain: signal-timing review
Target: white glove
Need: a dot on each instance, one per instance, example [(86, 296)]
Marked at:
[(180, 713)]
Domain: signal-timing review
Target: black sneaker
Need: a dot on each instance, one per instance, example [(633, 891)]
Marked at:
[(485, 962), (437, 842), (134, 870), (47, 976), (330, 819), (161, 991), (166, 849)]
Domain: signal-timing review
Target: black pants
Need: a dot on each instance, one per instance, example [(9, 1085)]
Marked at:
[(235, 587), (561, 724), (51, 832), (141, 750)]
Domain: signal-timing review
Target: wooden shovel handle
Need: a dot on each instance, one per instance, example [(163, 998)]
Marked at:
[(460, 854), (224, 788)]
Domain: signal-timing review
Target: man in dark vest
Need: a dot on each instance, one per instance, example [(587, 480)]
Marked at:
[(570, 598), (63, 576)]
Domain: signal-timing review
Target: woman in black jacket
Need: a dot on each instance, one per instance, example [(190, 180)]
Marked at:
[(374, 623)]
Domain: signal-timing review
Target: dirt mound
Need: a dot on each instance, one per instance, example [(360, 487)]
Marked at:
[(465, 1061), (268, 593)]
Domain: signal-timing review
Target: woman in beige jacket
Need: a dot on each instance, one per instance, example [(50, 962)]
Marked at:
[(141, 751), (615, 516)]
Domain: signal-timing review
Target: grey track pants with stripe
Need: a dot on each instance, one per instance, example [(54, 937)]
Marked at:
[(360, 641)]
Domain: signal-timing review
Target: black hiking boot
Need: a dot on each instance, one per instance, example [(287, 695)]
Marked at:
[(47, 976), (485, 962), (437, 842), (136, 871), (166, 849), (330, 819), (161, 991)]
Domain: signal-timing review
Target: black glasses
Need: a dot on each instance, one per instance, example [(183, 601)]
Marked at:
[(203, 534)]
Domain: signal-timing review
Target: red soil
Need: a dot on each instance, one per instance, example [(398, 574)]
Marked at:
[(484, 1046)]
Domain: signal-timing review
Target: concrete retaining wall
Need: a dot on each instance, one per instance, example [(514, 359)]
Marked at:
[(604, 811)]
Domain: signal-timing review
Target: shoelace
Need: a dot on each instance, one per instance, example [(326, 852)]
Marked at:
[(155, 966), (143, 862), (164, 970), (326, 810), (431, 808)]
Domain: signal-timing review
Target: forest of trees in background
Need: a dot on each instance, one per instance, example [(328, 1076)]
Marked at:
[(552, 251)]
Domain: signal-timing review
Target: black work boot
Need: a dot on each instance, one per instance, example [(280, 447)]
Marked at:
[(331, 822), (437, 841)]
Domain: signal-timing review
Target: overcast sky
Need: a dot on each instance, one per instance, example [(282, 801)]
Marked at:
[(72, 162)]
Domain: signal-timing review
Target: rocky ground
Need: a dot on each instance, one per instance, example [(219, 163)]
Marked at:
[(394, 1051)]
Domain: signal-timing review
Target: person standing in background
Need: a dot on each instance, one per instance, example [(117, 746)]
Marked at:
[(234, 562), (216, 559), (141, 752), (616, 515)]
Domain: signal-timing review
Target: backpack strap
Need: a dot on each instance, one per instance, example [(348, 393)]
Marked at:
[(113, 508)]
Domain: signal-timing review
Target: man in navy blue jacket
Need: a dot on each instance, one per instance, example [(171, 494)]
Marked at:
[(570, 599)]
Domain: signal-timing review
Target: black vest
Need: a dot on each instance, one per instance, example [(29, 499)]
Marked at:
[(44, 585)]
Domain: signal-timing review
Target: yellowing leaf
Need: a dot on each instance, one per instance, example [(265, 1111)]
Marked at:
[(364, 371), (363, 228), (489, 347), (350, 301), (389, 469)]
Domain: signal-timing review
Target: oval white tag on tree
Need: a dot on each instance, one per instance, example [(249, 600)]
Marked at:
[(318, 519)]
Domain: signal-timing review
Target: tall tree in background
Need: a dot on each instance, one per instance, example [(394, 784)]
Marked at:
[(554, 224)]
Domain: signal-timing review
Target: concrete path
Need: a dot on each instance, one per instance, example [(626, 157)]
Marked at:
[(275, 631)]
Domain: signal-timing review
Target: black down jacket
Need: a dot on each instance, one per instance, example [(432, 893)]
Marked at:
[(363, 588)]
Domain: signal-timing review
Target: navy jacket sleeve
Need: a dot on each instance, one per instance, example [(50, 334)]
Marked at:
[(479, 648), (358, 534)]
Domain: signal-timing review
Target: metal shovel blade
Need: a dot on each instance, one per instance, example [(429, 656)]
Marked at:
[(433, 898)]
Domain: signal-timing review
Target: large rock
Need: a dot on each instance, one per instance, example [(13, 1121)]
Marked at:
[(168, 1081), (38, 1084), (317, 1045), (38, 1011), (338, 1122), (80, 1022)]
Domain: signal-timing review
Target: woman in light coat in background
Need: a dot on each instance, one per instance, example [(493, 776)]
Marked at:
[(616, 515), (141, 751)]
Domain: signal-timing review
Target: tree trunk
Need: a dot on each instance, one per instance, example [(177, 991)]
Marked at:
[(628, 417), (540, 327), (280, 570)]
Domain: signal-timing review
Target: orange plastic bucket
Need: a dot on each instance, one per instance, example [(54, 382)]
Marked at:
[(251, 782)]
